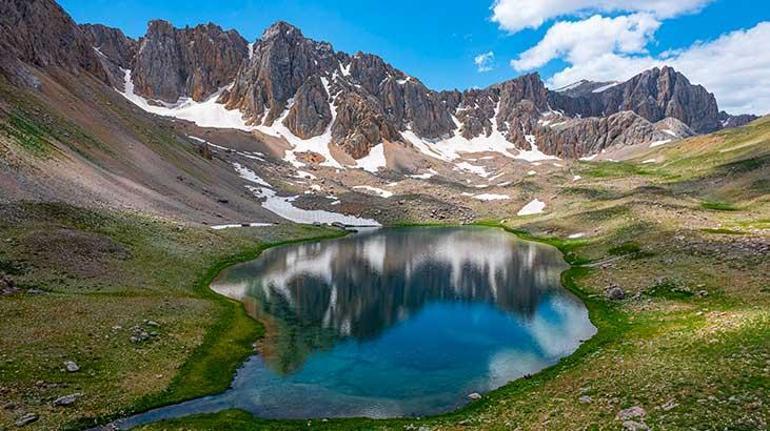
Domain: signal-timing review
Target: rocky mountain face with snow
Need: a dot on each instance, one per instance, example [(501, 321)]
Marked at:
[(653, 94), (358, 101), (194, 62)]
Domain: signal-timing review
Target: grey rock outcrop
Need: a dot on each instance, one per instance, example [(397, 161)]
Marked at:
[(114, 50), (191, 62), (311, 113), (729, 121), (653, 94)]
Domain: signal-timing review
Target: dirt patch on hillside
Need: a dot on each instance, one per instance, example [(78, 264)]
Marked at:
[(72, 252)]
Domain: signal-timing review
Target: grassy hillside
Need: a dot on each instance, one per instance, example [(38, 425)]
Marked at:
[(78, 285)]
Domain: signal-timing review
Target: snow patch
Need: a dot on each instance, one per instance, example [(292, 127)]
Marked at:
[(283, 205), (605, 88), (491, 197), (659, 143), (208, 113), (380, 192), (577, 235), (230, 226), (373, 161), (535, 207), (474, 169), (670, 133), (424, 176)]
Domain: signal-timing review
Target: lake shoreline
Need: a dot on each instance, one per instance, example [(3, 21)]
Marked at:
[(601, 315)]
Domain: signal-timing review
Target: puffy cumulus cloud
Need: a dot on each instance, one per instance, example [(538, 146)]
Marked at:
[(584, 41), (734, 67), (484, 62), (516, 15)]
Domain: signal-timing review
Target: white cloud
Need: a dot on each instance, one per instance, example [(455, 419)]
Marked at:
[(516, 15), (484, 61), (579, 42), (734, 66)]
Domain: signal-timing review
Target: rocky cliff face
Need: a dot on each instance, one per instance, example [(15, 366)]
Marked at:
[(114, 50), (727, 121), (191, 62), (653, 94), (40, 33)]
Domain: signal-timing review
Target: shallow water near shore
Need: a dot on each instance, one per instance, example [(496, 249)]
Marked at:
[(394, 322)]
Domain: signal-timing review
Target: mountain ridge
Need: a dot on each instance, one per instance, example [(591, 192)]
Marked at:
[(379, 102), (360, 101)]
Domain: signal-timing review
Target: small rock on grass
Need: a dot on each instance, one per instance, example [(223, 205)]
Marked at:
[(635, 426), (585, 399), (474, 396), (670, 405), (66, 400), (71, 366), (615, 293), (27, 419), (631, 413)]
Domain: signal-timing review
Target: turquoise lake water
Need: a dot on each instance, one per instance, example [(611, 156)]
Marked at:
[(394, 322)]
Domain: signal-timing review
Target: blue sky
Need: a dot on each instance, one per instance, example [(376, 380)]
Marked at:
[(437, 41)]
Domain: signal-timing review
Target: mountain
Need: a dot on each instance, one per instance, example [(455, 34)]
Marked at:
[(360, 101), (77, 105)]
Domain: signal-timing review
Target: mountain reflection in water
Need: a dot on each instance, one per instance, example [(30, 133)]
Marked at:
[(394, 322), (311, 295)]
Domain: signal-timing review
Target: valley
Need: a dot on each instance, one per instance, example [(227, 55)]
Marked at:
[(132, 172)]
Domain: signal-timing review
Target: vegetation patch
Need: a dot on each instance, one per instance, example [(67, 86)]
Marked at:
[(723, 231), (669, 289), (718, 206), (27, 134), (615, 169)]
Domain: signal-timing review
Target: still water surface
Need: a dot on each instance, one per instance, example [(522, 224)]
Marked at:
[(394, 322)]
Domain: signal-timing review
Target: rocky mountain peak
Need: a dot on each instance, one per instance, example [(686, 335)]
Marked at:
[(281, 29), (191, 62), (360, 100), (653, 94)]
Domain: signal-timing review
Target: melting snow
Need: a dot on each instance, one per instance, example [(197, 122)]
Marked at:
[(659, 143), (670, 132), (577, 235), (208, 113), (424, 176), (576, 178), (491, 197), (534, 154), (317, 144), (478, 170), (453, 148), (606, 87), (588, 158), (229, 226), (283, 207), (380, 192), (535, 207), (373, 161), (649, 161)]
